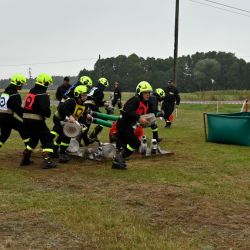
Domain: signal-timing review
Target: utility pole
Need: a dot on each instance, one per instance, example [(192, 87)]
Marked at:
[(176, 40), (99, 65), (30, 78)]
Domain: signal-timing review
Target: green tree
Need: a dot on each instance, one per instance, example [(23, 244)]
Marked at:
[(206, 72)]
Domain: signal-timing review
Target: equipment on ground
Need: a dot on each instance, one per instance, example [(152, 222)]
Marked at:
[(154, 146), (93, 152), (143, 147), (74, 146)]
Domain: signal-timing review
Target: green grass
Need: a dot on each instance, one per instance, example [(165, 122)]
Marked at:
[(219, 95), (197, 198)]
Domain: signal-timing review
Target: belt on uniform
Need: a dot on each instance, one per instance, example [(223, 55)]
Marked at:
[(7, 111), (32, 116)]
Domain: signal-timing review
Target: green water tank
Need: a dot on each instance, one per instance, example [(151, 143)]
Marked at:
[(232, 128)]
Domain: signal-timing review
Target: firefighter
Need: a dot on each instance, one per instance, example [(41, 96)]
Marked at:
[(62, 89), (73, 109), (117, 96), (95, 101), (36, 110), (10, 103), (84, 80), (131, 113), (171, 99), (155, 98)]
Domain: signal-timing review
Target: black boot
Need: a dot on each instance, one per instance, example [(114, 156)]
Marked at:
[(63, 157), (26, 158), (168, 124), (95, 132), (47, 163), (88, 141), (26, 141), (55, 153), (119, 162), (119, 159), (55, 149)]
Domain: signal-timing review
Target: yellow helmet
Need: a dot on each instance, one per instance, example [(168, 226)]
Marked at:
[(143, 87), (85, 80), (160, 92), (103, 81), (18, 80), (44, 80), (80, 90)]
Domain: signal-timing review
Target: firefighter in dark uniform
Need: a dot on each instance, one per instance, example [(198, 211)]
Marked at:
[(127, 141), (155, 98), (36, 110), (84, 80), (117, 96), (10, 103), (95, 101), (62, 89), (73, 109), (171, 99)]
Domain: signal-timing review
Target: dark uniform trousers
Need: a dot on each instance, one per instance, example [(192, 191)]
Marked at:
[(93, 135), (168, 109), (126, 138), (118, 102), (38, 130), (9, 122), (62, 141)]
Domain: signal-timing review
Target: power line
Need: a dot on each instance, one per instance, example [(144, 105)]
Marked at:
[(54, 62), (238, 13), (228, 6)]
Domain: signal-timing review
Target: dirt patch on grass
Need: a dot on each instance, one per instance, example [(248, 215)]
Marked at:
[(34, 231), (170, 211)]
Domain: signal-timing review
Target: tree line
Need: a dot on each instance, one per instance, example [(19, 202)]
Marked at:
[(198, 72)]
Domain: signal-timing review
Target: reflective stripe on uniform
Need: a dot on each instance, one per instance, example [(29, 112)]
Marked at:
[(50, 150), (29, 148), (64, 144), (54, 133), (154, 130), (130, 148), (57, 144), (26, 140)]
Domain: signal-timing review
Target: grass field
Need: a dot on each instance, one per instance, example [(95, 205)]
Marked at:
[(197, 198)]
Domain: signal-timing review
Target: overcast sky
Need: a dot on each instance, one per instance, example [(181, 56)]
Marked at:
[(61, 37)]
